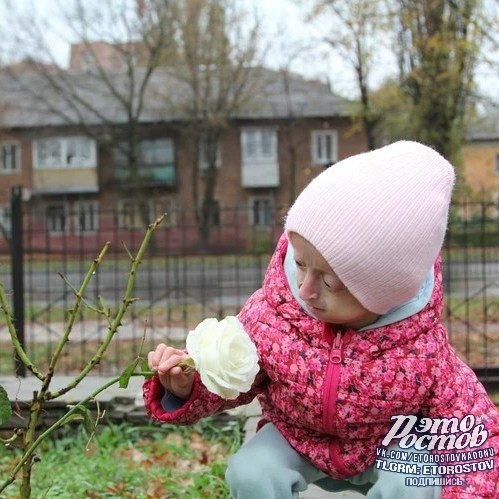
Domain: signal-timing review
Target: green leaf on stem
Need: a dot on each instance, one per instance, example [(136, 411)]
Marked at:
[(127, 374), (82, 414), (145, 369), (89, 422), (5, 408), (76, 416)]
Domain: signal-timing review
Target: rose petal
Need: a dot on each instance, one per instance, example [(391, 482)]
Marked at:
[(224, 355)]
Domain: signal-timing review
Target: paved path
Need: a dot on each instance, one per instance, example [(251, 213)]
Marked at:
[(22, 390)]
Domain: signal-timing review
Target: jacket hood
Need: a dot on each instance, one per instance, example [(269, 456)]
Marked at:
[(278, 292), (396, 314)]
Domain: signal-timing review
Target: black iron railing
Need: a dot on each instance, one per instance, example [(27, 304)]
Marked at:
[(190, 274)]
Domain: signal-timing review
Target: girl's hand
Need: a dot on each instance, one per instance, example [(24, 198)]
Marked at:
[(164, 361)]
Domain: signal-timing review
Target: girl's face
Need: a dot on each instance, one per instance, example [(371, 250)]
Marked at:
[(325, 296)]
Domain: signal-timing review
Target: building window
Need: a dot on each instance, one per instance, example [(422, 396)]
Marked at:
[(156, 152), (155, 162), (56, 216), (259, 144), (215, 214), (166, 206), (5, 220), (204, 154), (259, 158), (134, 214), (86, 216), (9, 158), (138, 214), (262, 211), (64, 152), (82, 216), (324, 147)]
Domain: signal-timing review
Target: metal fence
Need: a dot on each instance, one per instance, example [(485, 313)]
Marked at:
[(185, 277)]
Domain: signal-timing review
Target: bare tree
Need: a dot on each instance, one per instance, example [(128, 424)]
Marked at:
[(353, 32), (103, 93), (217, 49), (294, 117)]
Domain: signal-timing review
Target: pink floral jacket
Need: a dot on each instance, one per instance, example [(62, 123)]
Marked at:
[(331, 393)]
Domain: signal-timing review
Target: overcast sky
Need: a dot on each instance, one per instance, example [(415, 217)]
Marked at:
[(283, 22), (285, 16)]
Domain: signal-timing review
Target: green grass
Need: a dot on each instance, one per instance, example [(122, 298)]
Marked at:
[(120, 262), (126, 461), (476, 310)]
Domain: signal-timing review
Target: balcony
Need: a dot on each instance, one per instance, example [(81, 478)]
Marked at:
[(261, 174), (65, 180), (148, 176)]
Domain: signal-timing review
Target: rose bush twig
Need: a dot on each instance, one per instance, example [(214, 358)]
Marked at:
[(30, 443)]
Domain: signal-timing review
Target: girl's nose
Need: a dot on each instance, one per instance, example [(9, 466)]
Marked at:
[(308, 288)]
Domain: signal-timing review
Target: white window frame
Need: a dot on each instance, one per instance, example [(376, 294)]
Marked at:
[(259, 144), (262, 211), (60, 159), (321, 141), (15, 158)]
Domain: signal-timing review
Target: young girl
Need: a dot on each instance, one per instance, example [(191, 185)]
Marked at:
[(348, 329)]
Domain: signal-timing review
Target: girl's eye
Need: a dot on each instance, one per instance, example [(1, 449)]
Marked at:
[(332, 282), (328, 281), (300, 265)]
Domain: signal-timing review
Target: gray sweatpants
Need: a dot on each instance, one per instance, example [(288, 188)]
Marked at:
[(267, 467)]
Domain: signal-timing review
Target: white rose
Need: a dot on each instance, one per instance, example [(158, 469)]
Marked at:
[(224, 356)]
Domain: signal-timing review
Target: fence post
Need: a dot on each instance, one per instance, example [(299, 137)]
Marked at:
[(17, 260)]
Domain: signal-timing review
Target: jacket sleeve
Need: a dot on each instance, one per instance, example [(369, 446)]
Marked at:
[(456, 393), (200, 404)]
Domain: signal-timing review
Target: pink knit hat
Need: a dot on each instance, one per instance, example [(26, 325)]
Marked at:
[(379, 220)]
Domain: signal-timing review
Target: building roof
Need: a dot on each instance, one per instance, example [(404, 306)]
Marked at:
[(485, 128), (31, 99)]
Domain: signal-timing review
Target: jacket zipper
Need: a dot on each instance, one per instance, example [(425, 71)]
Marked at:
[(330, 399), (332, 382)]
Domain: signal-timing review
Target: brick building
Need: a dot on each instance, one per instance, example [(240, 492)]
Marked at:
[(481, 159), (66, 155)]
